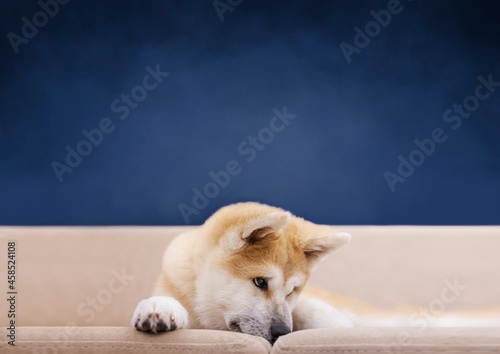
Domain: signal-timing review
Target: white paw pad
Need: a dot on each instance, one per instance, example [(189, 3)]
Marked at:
[(159, 314)]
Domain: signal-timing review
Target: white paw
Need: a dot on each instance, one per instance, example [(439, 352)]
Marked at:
[(312, 313), (159, 314)]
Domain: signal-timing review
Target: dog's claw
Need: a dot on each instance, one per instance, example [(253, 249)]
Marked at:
[(146, 325)]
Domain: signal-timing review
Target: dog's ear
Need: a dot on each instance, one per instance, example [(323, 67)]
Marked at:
[(260, 228), (320, 242)]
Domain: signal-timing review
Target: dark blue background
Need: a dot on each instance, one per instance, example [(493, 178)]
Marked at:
[(353, 120)]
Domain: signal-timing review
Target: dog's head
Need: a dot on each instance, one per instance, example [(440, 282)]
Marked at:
[(263, 258)]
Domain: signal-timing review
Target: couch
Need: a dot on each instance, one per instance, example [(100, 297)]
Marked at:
[(416, 289)]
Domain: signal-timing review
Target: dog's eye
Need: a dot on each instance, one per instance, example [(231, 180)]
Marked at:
[(291, 292), (261, 283)]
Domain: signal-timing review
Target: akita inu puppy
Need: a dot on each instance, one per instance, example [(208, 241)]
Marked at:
[(243, 270)]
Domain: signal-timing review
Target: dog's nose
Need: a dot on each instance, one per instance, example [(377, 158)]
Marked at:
[(279, 330)]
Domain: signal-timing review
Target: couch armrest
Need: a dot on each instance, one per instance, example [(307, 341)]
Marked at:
[(125, 340), (391, 340)]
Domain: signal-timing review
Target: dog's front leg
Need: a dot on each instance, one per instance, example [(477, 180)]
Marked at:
[(311, 313), (159, 314)]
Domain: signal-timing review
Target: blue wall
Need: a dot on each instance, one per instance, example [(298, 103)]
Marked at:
[(358, 94)]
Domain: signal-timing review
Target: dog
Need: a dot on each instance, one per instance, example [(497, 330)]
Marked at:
[(243, 270)]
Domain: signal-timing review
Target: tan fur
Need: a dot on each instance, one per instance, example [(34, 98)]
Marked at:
[(286, 251), (207, 278), (210, 270)]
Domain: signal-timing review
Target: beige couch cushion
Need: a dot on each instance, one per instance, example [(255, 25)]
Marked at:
[(391, 340), (125, 340), (387, 265), (95, 276), (84, 276), (78, 278)]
